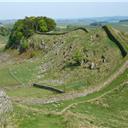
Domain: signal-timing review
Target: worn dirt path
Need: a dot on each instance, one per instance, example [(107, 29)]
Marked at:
[(93, 99)]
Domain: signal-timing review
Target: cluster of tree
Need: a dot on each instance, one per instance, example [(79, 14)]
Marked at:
[(25, 28)]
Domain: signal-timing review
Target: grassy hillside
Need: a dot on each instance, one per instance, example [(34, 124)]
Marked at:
[(106, 109), (76, 62), (72, 61), (69, 60)]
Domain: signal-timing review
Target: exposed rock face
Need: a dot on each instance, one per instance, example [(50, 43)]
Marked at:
[(5, 108)]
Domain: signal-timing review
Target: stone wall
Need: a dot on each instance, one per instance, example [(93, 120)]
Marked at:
[(5, 109), (63, 33), (48, 88), (115, 39)]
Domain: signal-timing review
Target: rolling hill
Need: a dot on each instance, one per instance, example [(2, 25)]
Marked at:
[(89, 65)]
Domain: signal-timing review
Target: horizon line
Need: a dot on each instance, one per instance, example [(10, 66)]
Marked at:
[(70, 18)]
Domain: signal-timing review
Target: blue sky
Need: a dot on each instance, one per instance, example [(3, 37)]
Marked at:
[(63, 0), (13, 10)]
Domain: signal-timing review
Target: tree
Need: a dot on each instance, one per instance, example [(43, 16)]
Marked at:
[(50, 23), (25, 28), (42, 25)]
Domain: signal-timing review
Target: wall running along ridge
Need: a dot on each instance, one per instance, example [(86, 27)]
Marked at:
[(112, 37), (62, 33)]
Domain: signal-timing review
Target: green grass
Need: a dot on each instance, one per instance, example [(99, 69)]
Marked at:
[(29, 119), (109, 111), (6, 79), (29, 92), (25, 71), (63, 104)]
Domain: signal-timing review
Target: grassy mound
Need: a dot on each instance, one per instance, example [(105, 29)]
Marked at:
[(77, 59)]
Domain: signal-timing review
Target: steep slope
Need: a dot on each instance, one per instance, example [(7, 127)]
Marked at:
[(72, 61), (76, 59)]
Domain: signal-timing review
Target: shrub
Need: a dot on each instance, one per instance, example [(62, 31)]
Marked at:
[(32, 54), (78, 56), (23, 45)]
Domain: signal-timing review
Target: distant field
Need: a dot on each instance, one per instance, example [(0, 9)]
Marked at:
[(122, 26)]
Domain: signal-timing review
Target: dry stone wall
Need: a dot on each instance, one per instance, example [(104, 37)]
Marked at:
[(5, 109)]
